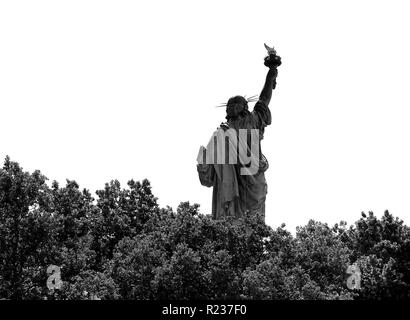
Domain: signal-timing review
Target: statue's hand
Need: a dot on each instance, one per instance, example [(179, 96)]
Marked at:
[(272, 61)]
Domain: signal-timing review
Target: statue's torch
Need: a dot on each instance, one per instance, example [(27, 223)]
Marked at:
[(272, 60)]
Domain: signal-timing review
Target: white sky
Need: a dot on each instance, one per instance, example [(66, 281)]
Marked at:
[(101, 90)]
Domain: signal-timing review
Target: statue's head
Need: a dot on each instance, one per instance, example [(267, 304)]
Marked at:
[(236, 107)]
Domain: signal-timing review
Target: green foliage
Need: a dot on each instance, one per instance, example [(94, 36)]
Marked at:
[(122, 245), (382, 248)]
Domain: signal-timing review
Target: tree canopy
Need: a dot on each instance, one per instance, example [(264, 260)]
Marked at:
[(123, 245)]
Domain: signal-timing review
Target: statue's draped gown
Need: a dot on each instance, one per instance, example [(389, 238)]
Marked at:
[(233, 193)]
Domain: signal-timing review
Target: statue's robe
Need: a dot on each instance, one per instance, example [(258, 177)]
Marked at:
[(233, 193)]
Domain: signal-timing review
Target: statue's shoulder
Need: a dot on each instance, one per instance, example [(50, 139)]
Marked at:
[(224, 126)]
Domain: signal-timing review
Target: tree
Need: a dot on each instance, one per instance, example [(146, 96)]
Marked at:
[(24, 224), (382, 249), (122, 245)]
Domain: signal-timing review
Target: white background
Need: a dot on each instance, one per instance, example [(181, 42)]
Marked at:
[(101, 90)]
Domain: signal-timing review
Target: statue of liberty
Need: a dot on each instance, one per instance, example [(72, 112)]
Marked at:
[(236, 188)]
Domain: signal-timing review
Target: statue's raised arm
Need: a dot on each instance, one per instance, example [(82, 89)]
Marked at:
[(272, 61), (261, 113)]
